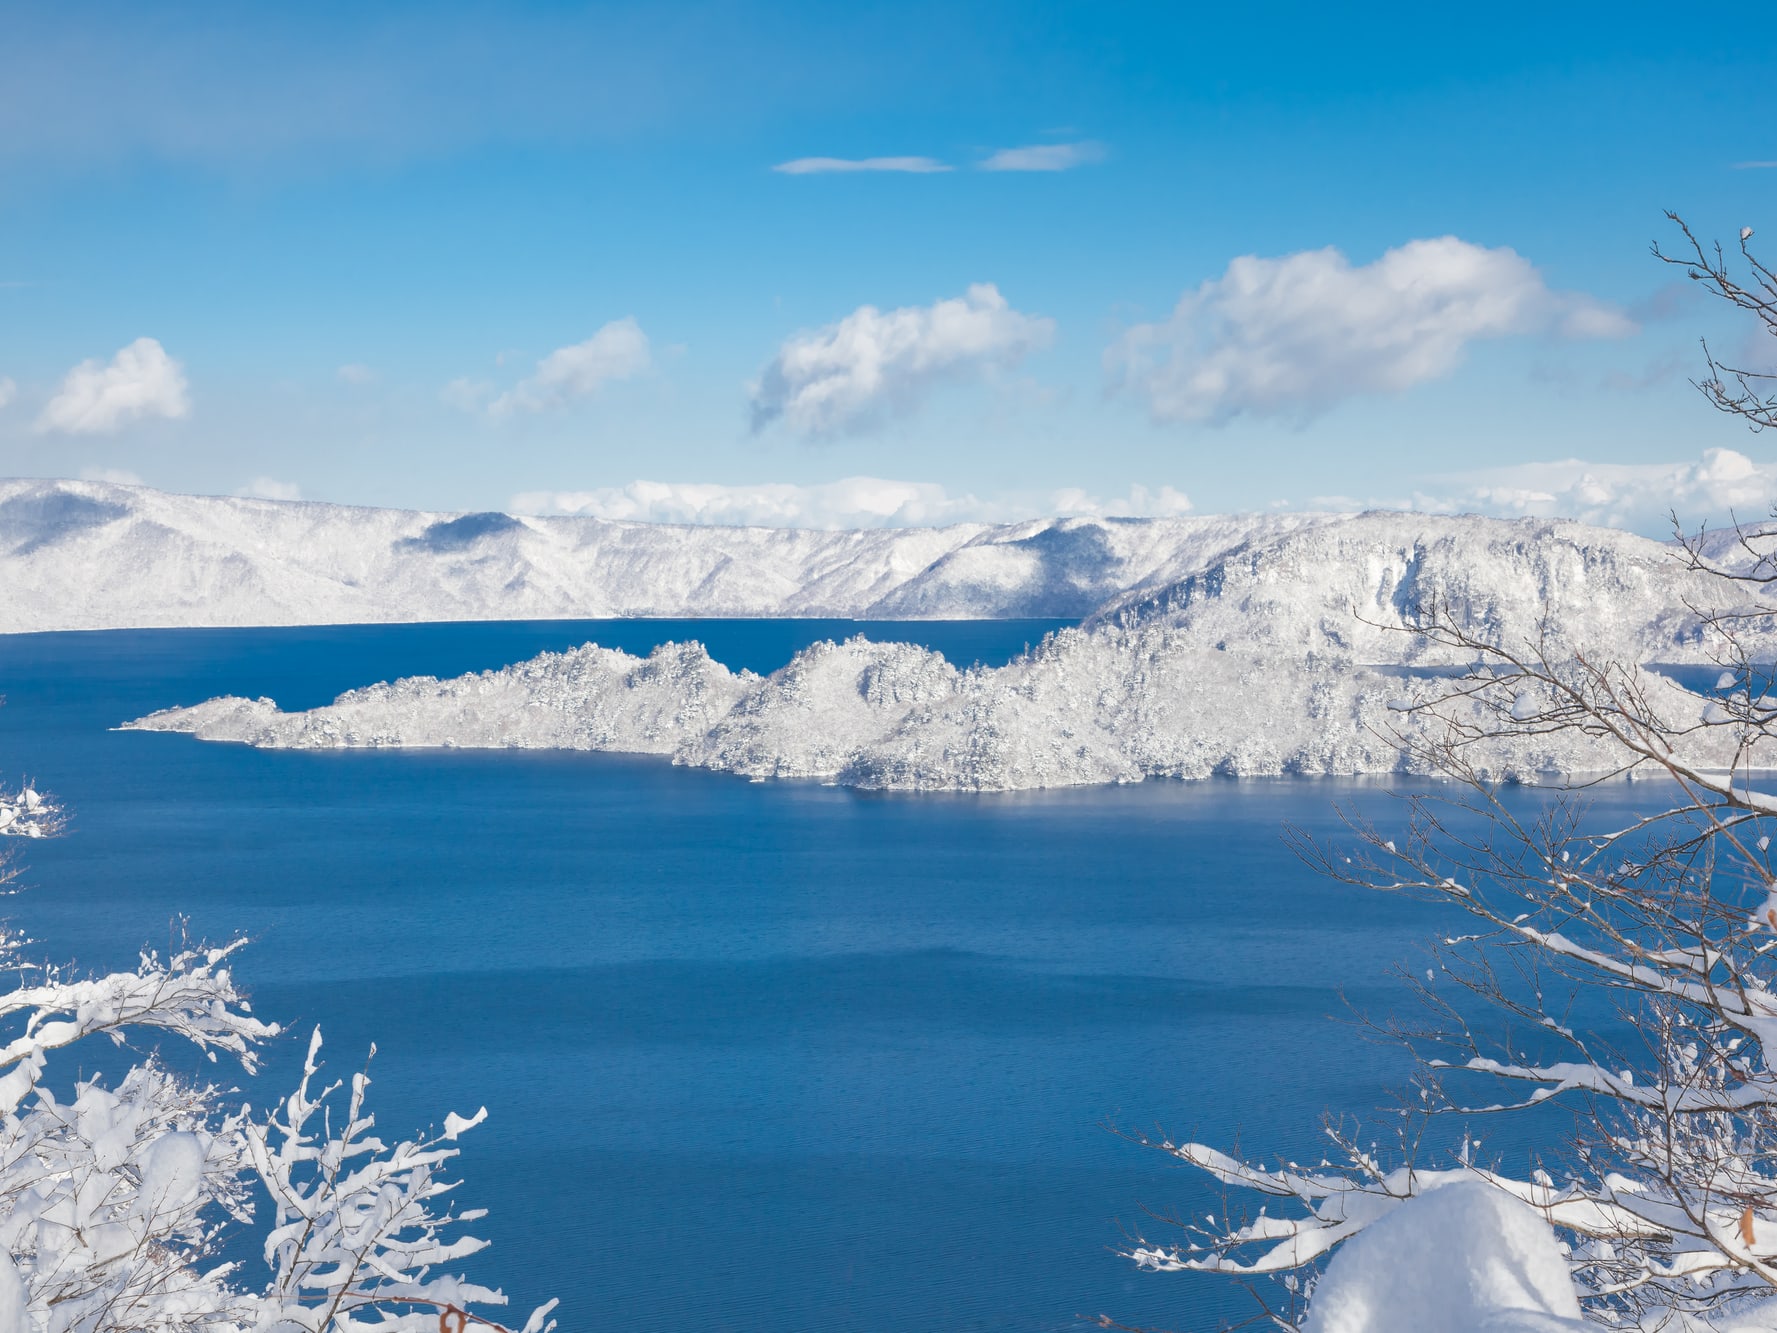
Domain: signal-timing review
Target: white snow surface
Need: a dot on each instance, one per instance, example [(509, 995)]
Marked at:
[(1463, 1258), (1246, 650), (93, 555)]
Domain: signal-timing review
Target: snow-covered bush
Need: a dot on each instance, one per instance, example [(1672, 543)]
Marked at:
[(114, 1200), (1629, 972)]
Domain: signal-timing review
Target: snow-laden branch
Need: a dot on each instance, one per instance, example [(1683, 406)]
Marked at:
[(113, 1205), (27, 813), (191, 995), (356, 1230)]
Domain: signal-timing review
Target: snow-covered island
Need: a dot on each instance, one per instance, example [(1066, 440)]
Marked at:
[(1223, 646)]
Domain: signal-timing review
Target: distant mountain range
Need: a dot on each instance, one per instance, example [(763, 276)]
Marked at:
[(92, 555)]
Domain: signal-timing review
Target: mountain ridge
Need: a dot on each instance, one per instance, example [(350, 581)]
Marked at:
[(102, 555)]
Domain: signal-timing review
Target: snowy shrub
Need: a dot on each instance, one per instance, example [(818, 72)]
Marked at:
[(113, 1202)]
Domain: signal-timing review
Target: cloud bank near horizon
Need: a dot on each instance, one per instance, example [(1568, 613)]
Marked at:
[(1713, 489), (1717, 488), (852, 502)]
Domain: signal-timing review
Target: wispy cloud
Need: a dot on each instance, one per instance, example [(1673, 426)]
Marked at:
[(847, 376), (140, 381), (818, 166), (8, 391), (854, 502), (1139, 502), (1755, 166), (356, 372), (618, 351), (1044, 157), (1296, 335), (270, 488), (467, 395)]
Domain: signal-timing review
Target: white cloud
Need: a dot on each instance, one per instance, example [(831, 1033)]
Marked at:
[(1639, 496), (466, 395), (141, 381), (8, 391), (854, 502), (269, 488), (819, 166), (1044, 157), (618, 351), (1294, 336), (356, 372), (115, 475), (848, 375)]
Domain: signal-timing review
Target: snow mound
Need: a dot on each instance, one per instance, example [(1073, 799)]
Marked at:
[(1463, 1258)]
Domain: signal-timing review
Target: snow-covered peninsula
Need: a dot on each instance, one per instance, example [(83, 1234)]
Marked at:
[(1238, 646)]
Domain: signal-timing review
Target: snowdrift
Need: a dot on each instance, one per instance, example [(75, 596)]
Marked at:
[(1463, 1258)]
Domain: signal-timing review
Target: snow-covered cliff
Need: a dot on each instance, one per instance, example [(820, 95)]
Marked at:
[(1266, 649), (91, 555)]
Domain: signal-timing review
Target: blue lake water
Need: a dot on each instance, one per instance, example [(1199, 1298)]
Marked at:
[(767, 1056)]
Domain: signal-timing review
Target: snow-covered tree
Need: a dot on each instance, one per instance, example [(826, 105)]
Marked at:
[(114, 1199), (1626, 971)]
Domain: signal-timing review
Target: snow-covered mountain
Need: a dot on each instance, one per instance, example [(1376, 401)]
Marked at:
[(1257, 649), (91, 555)]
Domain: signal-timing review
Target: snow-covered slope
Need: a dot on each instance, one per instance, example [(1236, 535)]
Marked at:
[(1285, 649), (591, 698), (90, 555)]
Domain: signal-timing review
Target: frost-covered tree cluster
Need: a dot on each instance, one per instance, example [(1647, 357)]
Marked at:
[(1626, 972), (116, 1195)]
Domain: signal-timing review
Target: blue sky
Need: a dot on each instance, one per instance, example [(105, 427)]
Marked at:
[(465, 257)]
